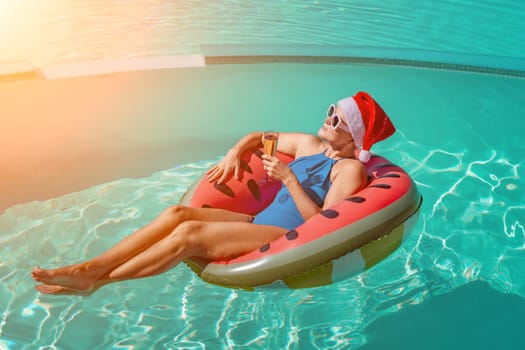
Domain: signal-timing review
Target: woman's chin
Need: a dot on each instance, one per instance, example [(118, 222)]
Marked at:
[(322, 132)]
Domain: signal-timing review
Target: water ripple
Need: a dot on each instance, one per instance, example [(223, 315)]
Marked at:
[(471, 228), (107, 30)]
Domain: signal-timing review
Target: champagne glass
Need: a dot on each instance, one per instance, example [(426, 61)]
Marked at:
[(270, 139)]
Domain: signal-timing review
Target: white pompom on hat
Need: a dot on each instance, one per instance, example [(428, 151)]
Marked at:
[(367, 122)]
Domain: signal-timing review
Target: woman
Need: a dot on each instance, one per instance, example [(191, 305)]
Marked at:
[(325, 171)]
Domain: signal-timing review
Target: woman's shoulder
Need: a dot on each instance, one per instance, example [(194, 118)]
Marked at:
[(349, 168), (352, 164), (348, 176)]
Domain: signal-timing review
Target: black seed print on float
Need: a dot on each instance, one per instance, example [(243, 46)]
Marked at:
[(264, 248), (385, 186), (253, 186), (355, 199), (389, 175), (291, 235), (224, 189), (385, 165), (206, 206), (330, 213), (258, 153), (246, 167)]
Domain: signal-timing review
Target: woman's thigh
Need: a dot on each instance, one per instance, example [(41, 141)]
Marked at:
[(182, 213), (226, 240), (217, 215)]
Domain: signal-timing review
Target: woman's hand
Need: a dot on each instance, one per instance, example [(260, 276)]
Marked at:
[(276, 169), (220, 171)]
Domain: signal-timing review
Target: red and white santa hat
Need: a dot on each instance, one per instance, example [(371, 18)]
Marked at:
[(367, 122)]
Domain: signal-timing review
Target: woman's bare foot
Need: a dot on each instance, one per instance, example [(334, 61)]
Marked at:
[(81, 277), (59, 290)]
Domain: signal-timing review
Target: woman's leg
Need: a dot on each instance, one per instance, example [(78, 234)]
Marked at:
[(207, 240), (83, 276)]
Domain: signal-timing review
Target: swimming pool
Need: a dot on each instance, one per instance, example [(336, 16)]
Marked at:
[(456, 282)]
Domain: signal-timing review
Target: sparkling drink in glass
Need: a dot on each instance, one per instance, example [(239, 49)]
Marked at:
[(270, 142), (270, 139)]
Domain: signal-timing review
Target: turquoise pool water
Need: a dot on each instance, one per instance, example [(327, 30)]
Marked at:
[(62, 32), (457, 282), (466, 162), (488, 32)]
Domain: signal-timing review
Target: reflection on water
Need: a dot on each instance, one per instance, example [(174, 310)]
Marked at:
[(469, 230), (58, 31), (451, 139)]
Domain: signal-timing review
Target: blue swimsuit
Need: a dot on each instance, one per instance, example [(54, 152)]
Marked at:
[(313, 173)]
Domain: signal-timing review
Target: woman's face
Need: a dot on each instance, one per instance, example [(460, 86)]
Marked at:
[(334, 128)]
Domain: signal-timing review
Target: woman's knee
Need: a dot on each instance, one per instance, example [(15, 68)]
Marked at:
[(177, 212)]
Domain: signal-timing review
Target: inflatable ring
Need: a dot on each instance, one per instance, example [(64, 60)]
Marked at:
[(339, 242)]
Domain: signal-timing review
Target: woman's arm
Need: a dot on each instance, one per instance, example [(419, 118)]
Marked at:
[(232, 159), (348, 176), (288, 143)]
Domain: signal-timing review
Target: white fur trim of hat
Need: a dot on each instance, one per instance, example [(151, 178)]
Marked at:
[(367, 121)]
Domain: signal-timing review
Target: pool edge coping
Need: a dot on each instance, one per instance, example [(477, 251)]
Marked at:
[(27, 72)]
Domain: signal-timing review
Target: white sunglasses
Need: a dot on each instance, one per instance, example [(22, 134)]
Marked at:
[(336, 121)]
